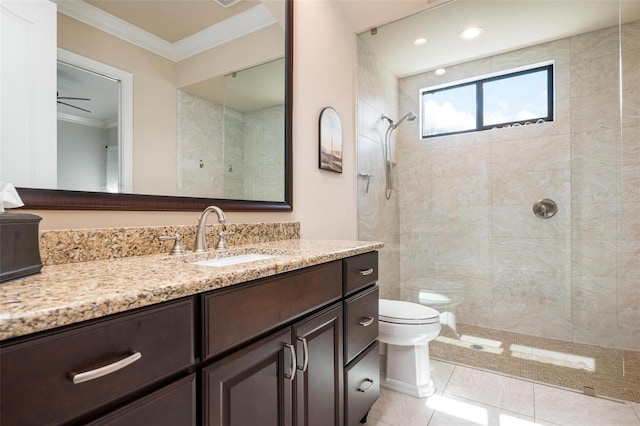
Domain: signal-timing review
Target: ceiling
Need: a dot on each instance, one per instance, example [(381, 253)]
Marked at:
[(172, 20), (508, 24)]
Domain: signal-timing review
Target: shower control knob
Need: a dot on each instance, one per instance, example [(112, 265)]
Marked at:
[(545, 208)]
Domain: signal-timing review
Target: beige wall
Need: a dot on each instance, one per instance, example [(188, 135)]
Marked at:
[(324, 75), (154, 106)]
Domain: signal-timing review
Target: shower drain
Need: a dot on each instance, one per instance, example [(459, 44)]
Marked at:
[(477, 347)]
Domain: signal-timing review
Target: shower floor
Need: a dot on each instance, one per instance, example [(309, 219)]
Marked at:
[(596, 370)]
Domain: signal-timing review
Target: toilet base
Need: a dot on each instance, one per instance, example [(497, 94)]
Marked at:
[(408, 370)]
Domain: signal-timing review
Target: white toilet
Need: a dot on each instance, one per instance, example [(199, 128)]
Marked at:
[(407, 328)]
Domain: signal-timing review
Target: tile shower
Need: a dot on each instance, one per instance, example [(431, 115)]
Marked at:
[(460, 221)]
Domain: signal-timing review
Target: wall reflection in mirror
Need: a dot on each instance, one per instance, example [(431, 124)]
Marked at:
[(207, 116), (230, 135)]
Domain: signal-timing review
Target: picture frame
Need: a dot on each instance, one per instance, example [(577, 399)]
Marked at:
[(330, 138)]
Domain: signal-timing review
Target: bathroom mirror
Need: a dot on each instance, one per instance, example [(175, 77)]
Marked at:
[(160, 164)]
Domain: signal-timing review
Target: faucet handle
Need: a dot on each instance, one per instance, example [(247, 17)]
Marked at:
[(177, 246), (222, 244)]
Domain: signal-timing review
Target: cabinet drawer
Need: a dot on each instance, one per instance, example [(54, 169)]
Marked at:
[(362, 385), (361, 322), (172, 405), (235, 316), (360, 271), (37, 386)]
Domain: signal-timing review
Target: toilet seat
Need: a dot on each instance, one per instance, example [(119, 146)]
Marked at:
[(399, 312)]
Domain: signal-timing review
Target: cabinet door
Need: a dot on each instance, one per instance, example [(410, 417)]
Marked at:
[(174, 404), (252, 386), (319, 381)]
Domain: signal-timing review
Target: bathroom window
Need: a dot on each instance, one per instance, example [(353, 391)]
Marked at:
[(516, 98)]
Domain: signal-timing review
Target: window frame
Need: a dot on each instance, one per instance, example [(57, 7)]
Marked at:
[(479, 93)]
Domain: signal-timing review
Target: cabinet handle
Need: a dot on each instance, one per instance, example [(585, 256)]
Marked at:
[(292, 371), (305, 347), (366, 322), (368, 383), (107, 369), (365, 272)]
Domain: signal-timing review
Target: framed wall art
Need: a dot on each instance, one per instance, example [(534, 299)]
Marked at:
[(330, 140)]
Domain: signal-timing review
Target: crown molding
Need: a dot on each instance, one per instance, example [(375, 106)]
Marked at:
[(91, 122), (243, 23)]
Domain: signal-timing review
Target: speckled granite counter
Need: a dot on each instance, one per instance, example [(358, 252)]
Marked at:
[(69, 293)]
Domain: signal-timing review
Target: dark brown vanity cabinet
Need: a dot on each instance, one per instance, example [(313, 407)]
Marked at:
[(75, 373), (294, 349), (294, 376), (361, 357)]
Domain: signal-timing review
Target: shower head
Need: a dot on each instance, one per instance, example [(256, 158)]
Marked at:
[(409, 116)]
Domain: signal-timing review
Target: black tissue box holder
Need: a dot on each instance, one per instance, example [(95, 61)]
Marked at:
[(19, 247)]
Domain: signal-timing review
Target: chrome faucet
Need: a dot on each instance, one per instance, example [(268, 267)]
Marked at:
[(201, 233)]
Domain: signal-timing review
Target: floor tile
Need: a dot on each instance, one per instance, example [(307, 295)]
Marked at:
[(441, 374), (492, 389), (573, 409), (453, 411), (398, 409)]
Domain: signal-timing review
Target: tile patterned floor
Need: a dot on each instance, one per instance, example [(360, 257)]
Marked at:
[(611, 373), (467, 396)]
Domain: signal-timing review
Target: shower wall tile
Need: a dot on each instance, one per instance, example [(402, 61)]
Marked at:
[(471, 221), (595, 221), (459, 191), (597, 328), (630, 217), (469, 252), (521, 222), (532, 316), (595, 112), (631, 106), (558, 50), (455, 161), (598, 149), (594, 258), (596, 76), (595, 294), (475, 68), (475, 310), (549, 285), (562, 82), (534, 154), (594, 186), (529, 187), (531, 255), (595, 44), (631, 165), (378, 218), (376, 84), (465, 201), (631, 264)]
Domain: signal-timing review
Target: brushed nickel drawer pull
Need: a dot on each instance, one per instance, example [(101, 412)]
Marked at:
[(363, 388), (366, 322), (107, 369), (365, 272), (305, 346), (292, 371)]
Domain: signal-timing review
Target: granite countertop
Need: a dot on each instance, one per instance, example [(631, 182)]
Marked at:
[(70, 293)]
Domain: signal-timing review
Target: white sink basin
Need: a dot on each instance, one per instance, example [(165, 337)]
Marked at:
[(234, 260)]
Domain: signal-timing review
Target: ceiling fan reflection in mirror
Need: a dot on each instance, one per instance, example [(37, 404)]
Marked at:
[(71, 99)]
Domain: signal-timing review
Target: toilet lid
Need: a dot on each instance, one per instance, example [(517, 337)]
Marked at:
[(399, 312)]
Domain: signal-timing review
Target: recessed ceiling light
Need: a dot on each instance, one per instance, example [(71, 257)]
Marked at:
[(471, 33), (420, 41), (440, 71)]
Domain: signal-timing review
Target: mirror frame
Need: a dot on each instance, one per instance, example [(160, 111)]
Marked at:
[(55, 199)]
